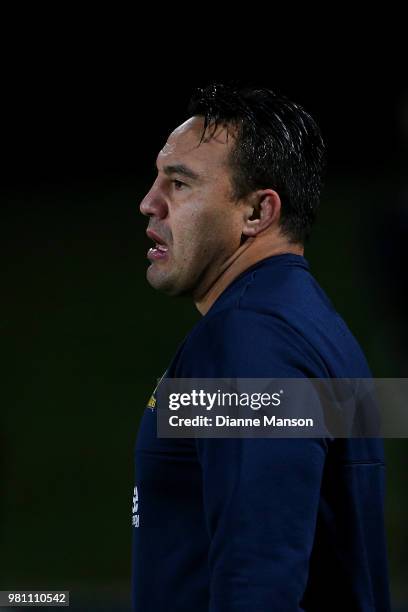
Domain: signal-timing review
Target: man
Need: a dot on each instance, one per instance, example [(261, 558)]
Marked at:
[(234, 525)]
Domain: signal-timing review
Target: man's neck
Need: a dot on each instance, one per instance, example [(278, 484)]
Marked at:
[(253, 250)]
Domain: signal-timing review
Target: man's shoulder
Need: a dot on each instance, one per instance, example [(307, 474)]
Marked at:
[(274, 340), (236, 323), (274, 318), (239, 341)]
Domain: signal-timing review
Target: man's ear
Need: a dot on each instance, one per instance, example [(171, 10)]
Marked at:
[(263, 211)]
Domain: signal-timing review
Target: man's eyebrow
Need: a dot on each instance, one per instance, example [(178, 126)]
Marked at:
[(181, 169)]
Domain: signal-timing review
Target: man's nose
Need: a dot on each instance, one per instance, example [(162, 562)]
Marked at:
[(154, 204)]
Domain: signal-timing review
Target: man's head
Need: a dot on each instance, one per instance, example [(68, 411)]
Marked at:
[(244, 164)]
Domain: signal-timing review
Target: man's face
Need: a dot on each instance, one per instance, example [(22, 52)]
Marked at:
[(193, 220)]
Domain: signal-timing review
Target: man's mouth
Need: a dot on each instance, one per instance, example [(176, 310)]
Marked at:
[(159, 251)]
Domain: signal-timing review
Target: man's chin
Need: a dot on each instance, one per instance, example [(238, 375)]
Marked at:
[(164, 282)]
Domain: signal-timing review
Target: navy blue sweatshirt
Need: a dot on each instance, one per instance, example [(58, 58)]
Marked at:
[(261, 525)]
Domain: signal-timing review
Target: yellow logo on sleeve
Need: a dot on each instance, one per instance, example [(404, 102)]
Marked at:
[(153, 400)]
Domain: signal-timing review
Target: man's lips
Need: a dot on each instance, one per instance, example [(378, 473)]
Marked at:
[(159, 251), (153, 236)]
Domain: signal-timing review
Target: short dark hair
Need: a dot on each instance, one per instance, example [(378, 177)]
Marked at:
[(277, 145)]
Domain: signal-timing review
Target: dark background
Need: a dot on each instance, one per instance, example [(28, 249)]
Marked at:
[(85, 337)]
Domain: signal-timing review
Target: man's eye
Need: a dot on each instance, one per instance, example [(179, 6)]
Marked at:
[(178, 184)]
